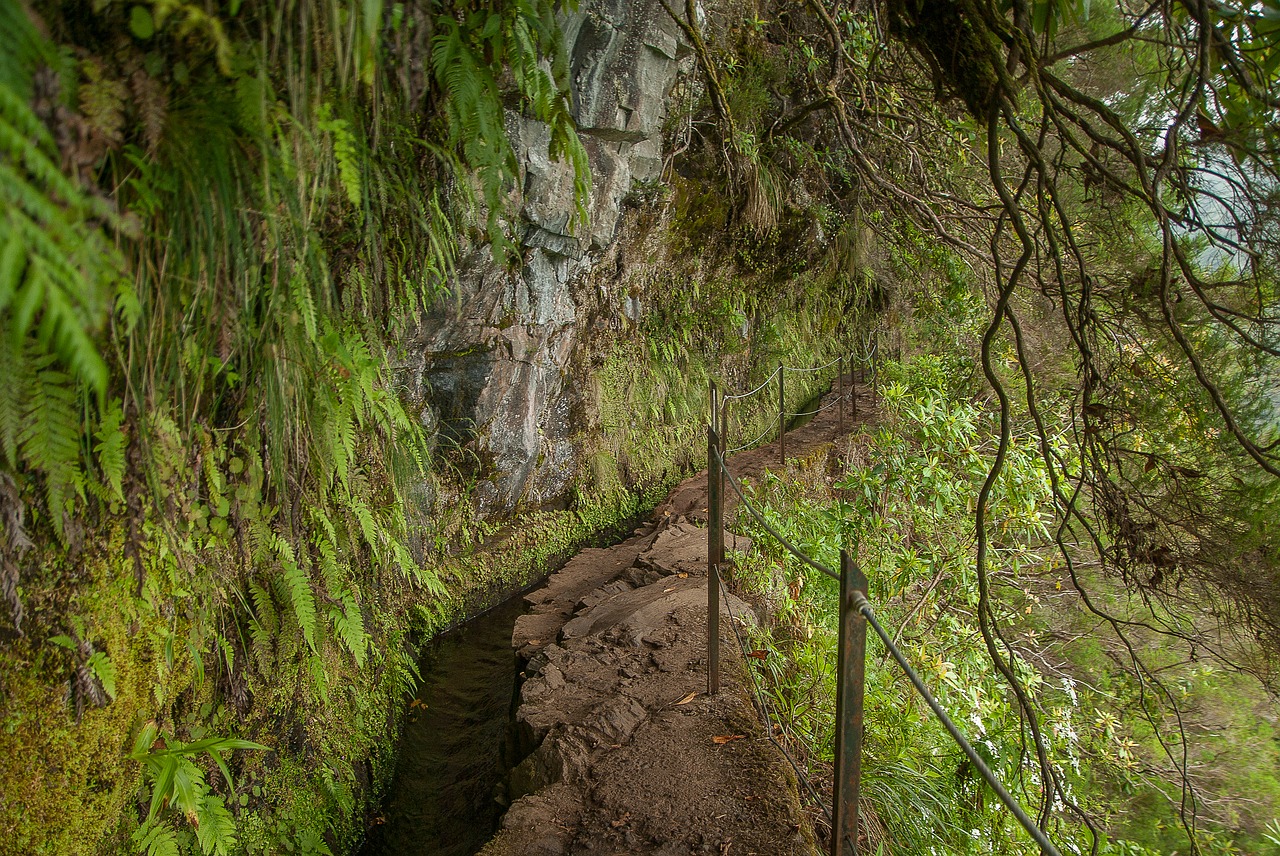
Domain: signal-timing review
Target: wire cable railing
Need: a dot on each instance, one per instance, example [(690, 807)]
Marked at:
[(765, 433), (810, 370), (764, 524), (766, 710), (752, 392), (838, 400), (865, 358), (856, 613), (863, 606)]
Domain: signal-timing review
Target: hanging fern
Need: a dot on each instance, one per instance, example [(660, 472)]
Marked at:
[(196, 311), (110, 449), (465, 51), (215, 828), (349, 624), (345, 152), (156, 839), (49, 439), (56, 271), (301, 597)]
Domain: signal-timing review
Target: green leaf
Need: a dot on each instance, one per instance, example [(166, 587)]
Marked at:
[(161, 784), (141, 23), (302, 598), (215, 828), (110, 447), (105, 671), (157, 839), (188, 785), (13, 260), (146, 739)]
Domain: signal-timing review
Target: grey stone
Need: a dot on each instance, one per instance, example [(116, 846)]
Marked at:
[(489, 364)]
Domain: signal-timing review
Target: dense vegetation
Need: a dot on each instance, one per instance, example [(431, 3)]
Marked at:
[(217, 221), (1074, 256), (222, 221)]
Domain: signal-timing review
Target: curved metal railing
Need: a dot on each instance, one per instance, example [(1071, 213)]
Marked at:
[(856, 613), (847, 365)]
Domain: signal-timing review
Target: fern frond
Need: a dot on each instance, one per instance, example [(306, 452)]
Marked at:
[(347, 153), (303, 302), (319, 678), (330, 567), (349, 624), (110, 448), (156, 839), (368, 525), (215, 827), (152, 103), (13, 393), (105, 671), (344, 448), (50, 439), (301, 597), (265, 608), (102, 100)]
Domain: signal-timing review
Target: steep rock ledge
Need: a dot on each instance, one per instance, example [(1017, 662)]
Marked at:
[(491, 365)]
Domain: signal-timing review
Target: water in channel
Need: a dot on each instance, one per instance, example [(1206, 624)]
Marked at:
[(450, 759)]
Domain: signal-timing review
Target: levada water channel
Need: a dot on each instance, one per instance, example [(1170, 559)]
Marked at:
[(446, 795)]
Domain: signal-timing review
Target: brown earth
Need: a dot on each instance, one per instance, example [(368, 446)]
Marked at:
[(628, 753)]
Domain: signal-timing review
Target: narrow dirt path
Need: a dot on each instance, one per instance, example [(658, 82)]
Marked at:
[(626, 752)]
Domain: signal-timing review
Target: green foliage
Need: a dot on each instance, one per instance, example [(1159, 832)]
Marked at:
[(179, 786), (905, 505), (156, 839), (212, 229), (55, 269), (467, 49)]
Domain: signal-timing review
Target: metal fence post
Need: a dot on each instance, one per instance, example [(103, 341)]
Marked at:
[(875, 375), (851, 675), (853, 389), (715, 550), (840, 400), (782, 417), (724, 459)]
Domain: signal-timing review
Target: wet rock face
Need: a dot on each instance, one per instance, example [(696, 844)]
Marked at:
[(491, 366)]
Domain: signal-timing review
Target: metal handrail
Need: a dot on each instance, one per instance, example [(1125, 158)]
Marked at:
[(863, 606), (814, 369), (766, 382), (857, 602)]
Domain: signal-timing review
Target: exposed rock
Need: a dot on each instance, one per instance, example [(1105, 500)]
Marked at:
[(492, 364), (682, 548), (625, 756)]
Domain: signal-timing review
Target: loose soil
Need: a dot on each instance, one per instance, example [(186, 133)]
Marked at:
[(627, 754)]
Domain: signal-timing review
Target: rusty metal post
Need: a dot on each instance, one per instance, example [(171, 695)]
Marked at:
[(714, 550), (782, 417), (850, 677), (840, 400), (853, 389), (875, 375), (724, 460)]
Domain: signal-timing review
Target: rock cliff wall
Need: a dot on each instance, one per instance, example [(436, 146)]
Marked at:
[(491, 366)]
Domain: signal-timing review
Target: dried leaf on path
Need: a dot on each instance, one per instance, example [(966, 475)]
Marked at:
[(690, 697), (721, 739)]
